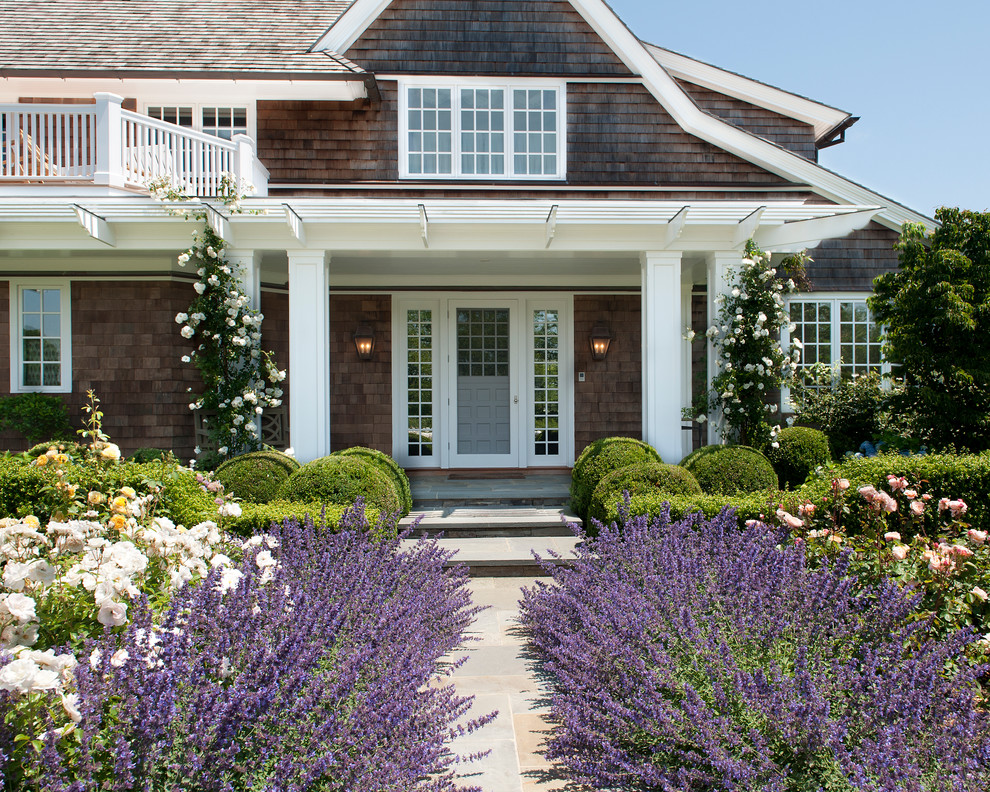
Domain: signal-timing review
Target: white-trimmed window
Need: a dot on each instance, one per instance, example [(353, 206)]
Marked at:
[(473, 130), (223, 122), (40, 337), (837, 331)]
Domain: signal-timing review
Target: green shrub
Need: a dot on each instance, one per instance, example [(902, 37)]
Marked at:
[(35, 415), (799, 451), (27, 489), (342, 480), (747, 506), (291, 464), (642, 478), (69, 447), (143, 455), (729, 469), (387, 465), (255, 477), (601, 457), (257, 518)]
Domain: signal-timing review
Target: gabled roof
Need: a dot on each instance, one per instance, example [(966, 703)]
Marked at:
[(347, 28), (822, 117), (151, 37)]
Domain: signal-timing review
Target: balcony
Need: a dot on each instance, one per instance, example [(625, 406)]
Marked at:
[(102, 145)]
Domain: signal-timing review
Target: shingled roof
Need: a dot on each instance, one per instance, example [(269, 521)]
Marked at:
[(237, 37)]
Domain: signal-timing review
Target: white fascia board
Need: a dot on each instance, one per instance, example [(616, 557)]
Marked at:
[(695, 121), (185, 91), (349, 26), (823, 118)]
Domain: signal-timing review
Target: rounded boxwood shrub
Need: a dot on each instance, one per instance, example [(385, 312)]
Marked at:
[(799, 451), (388, 466), (730, 469), (640, 479), (601, 457), (255, 477), (342, 480)]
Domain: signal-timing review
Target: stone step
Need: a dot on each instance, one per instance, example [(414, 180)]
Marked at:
[(471, 520), (534, 501), (508, 556)]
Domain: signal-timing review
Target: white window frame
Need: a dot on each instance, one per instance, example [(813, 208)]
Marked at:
[(197, 112), (65, 326), (835, 298), (454, 85)]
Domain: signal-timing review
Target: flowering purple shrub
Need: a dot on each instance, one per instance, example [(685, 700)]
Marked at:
[(314, 665), (699, 656)]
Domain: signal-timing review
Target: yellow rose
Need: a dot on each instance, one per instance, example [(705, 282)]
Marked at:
[(32, 522), (127, 492), (118, 521), (62, 459), (41, 461), (95, 498), (119, 504)]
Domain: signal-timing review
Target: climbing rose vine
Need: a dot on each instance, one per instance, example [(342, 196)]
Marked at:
[(239, 379), (749, 358)]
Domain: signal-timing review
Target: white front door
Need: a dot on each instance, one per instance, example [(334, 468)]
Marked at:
[(483, 382)]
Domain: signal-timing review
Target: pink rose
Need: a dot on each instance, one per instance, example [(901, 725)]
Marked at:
[(910, 493), (789, 519), (892, 536), (917, 508), (897, 482), (887, 502), (976, 537), (868, 492), (943, 504), (958, 507), (961, 550), (806, 509), (899, 552), (842, 484)]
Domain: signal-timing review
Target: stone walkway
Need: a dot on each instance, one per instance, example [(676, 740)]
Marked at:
[(499, 675)]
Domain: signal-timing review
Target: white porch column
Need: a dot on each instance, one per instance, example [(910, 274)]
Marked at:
[(662, 352), (249, 262), (309, 353), (719, 263), (109, 140), (687, 427)]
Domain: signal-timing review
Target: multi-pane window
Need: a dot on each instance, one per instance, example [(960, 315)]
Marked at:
[(419, 371), (41, 327), (534, 123), (838, 332), (482, 342), (223, 122), (482, 131), (546, 382)]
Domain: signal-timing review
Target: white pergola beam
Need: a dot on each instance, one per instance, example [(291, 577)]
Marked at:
[(424, 226), (218, 223), (551, 224), (296, 225), (675, 226), (800, 234), (96, 226), (747, 227)]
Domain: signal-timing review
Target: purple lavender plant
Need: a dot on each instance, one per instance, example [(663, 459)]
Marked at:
[(320, 672), (698, 656)]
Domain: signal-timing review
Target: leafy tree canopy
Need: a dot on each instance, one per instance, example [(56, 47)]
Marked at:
[(936, 313)]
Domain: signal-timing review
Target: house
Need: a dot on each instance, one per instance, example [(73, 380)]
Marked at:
[(521, 205)]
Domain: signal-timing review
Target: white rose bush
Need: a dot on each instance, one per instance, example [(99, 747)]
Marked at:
[(239, 379), (750, 362)]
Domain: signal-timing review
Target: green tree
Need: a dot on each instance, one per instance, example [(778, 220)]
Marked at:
[(936, 313)]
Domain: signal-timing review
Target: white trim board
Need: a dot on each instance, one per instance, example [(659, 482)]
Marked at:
[(640, 60)]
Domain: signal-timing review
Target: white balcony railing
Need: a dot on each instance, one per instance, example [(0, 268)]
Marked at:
[(103, 144)]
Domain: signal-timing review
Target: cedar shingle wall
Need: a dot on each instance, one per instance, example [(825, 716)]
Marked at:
[(609, 401), (621, 135), (777, 128), (360, 391), (616, 135), (330, 141), (125, 346), (518, 37), (851, 263)]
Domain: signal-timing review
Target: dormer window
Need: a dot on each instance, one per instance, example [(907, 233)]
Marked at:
[(473, 130)]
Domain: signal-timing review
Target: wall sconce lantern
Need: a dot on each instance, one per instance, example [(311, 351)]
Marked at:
[(600, 340), (364, 342)]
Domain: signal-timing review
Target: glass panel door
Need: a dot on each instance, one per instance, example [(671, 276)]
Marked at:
[(485, 402)]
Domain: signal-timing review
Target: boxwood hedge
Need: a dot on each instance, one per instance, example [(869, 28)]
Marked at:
[(600, 458)]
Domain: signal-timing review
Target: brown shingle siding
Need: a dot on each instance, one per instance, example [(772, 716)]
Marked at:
[(787, 132), (360, 390), (511, 37), (609, 401), (851, 263)]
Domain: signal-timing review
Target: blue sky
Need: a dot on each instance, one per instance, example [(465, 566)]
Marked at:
[(918, 77)]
